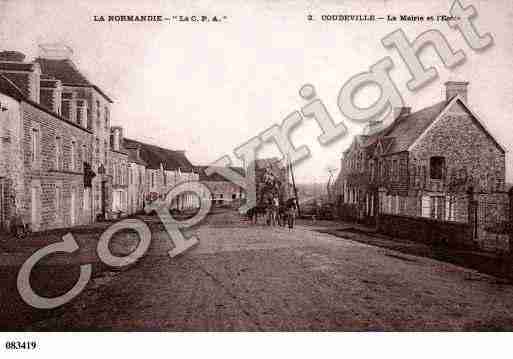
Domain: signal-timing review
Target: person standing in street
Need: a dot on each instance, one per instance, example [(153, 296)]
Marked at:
[(291, 212)]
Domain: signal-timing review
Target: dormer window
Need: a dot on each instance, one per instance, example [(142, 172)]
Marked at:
[(80, 112), (66, 105)]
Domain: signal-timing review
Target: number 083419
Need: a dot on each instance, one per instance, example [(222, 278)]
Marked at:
[(16, 345)]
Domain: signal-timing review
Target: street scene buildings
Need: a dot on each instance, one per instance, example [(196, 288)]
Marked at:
[(415, 233), (63, 164), (435, 167)]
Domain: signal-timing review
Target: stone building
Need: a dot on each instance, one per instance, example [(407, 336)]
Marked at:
[(165, 168), (136, 179), (80, 101), (44, 156), (423, 163), (222, 191), (117, 172)]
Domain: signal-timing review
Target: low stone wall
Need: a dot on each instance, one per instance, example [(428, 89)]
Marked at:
[(348, 212), (427, 230)]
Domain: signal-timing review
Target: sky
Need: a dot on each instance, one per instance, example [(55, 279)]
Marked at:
[(207, 88)]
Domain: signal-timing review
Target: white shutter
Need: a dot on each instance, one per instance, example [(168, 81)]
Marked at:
[(426, 206), (447, 208)]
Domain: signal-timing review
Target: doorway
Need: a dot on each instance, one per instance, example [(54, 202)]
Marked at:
[(104, 199), (73, 207)]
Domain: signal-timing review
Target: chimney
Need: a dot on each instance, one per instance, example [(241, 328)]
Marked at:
[(25, 75), (51, 93), (401, 111), (456, 88), (12, 56), (117, 133), (55, 51)]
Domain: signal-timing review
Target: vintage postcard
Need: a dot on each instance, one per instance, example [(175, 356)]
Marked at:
[(254, 166)]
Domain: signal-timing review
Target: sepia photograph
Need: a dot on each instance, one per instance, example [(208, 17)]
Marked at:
[(333, 173)]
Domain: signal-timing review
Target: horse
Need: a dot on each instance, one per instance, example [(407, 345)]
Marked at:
[(254, 212), (290, 210)]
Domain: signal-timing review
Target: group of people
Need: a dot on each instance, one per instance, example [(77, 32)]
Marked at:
[(275, 212)]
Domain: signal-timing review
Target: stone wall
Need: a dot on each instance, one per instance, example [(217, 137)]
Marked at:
[(472, 157), (47, 176), (11, 161), (427, 230)]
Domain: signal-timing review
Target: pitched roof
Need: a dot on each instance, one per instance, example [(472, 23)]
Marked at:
[(154, 156), (406, 129), (132, 157), (216, 177), (66, 71), (8, 88)]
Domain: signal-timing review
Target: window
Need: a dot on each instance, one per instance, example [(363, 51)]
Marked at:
[(98, 114), (66, 105), (395, 204), (87, 199), (450, 208), (234, 196), (438, 207), (58, 152), (107, 116), (80, 113), (35, 142), (34, 207), (73, 155), (57, 202), (395, 170), (436, 167), (414, 175), (89, 119), (113, 171), (498, 182), (425, 206), (84, 154)]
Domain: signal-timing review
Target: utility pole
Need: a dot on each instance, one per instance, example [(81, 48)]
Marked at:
[(294, 187), (331, 172)]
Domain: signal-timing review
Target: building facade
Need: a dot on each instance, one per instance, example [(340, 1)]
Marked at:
[(136, 180), (85, 104), (223, 192), (423, 164), (62, 164), (165, 169), (44, 155)]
